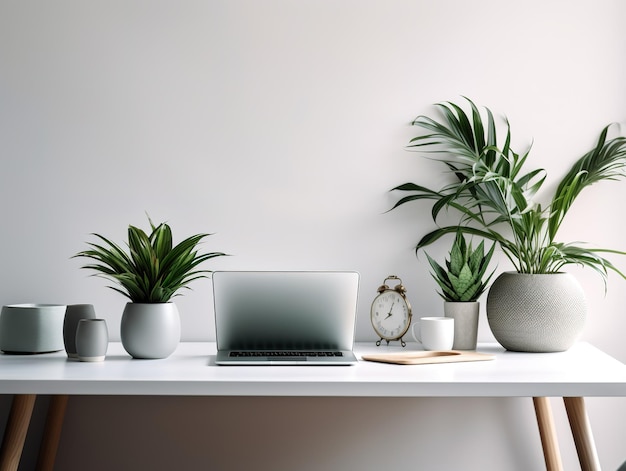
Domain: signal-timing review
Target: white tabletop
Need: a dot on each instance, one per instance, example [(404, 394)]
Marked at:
[(191, 371)]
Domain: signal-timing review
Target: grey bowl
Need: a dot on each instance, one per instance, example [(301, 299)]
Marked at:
[(32, 328)]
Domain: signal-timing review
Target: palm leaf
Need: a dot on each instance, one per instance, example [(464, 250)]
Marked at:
[(494, 195), (606, 161)]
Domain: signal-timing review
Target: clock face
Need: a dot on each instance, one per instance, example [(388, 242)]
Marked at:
[(390, 315)]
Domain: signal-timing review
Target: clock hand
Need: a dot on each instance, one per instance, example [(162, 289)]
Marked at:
[(390, 310)]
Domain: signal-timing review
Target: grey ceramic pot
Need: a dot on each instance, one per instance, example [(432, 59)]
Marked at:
[(31, 328), (73, 314), (465, 315), (536, 313), (92, 339), (150, 330)]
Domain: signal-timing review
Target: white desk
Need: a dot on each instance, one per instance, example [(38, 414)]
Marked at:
[(191, 371)]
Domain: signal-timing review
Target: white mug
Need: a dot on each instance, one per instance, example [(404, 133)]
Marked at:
[(435, 333)]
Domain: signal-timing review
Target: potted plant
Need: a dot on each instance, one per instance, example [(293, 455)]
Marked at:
[(150, 273), (462, 281), (494, 198)]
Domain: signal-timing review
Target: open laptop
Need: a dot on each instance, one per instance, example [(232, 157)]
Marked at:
[(285, 317)]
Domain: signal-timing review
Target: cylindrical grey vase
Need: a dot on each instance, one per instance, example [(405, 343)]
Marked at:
[(465, 315), (92, 339), (73, 314)]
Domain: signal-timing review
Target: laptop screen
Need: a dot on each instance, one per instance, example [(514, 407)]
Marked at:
[(285, 310)]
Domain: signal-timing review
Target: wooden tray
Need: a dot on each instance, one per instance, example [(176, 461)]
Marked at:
[(426, 357)]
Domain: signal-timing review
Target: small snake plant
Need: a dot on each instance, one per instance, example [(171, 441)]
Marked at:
[(153, 270), (463, 278)]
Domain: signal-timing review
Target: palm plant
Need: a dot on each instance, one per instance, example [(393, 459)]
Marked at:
[(153, 270), (462, 279), (494, 195)]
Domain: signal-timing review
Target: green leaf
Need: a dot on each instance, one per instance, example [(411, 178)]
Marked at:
[(493, 194), (153, 270)]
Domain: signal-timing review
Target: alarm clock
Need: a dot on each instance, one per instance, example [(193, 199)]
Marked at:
[(391, 312)]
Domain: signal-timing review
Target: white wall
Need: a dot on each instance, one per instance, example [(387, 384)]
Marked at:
[(280, 126)]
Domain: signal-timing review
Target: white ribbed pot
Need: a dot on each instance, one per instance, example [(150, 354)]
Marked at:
[(536, 313), (150, 330)]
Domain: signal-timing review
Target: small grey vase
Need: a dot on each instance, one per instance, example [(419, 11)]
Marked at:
[(73, 314), (465, 315), (92, 339)]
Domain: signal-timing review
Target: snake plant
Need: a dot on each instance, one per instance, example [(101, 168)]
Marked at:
[(153, 270), (462, 279), (493, 193)]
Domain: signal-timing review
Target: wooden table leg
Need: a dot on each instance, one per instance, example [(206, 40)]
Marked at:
[(581, 430), (52, 433), (547, 431), (16, 430)]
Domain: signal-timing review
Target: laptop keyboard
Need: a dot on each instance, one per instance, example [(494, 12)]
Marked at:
[(282, 353)]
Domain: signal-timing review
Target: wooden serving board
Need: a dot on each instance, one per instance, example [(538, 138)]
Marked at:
[(426, 357)]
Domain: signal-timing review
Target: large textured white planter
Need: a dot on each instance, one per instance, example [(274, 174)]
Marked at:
[(150, 330), (536, 313)]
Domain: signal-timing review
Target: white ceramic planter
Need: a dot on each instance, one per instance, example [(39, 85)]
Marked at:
[(150, 330), (536, 313)]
